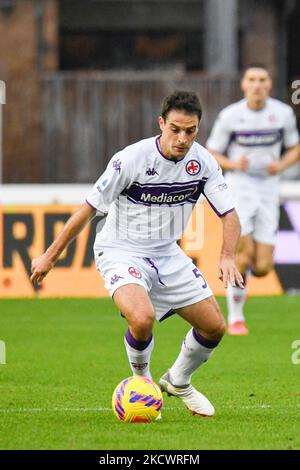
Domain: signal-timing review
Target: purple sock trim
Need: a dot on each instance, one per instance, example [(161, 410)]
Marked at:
[(207, 343), (135, 344)]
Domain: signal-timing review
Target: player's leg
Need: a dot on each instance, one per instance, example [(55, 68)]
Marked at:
[(236, 296), (208, 327), (128, 280), (247, 204), (255, 252), (266, 226), (186, 292), (135, 304), (263, 261)]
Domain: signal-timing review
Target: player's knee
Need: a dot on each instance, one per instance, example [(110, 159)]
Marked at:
[(245, 259), (220, 328), (142, 324), (217, 329), (262, 268)]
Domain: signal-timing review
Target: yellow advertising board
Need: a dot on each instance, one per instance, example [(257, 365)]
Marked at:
[(26, 231)]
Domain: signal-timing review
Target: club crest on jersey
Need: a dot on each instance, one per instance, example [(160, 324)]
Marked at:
[(151, 172), (134, 272), (193, 167)]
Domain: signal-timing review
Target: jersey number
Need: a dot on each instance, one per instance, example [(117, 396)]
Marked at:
[(197, 275)]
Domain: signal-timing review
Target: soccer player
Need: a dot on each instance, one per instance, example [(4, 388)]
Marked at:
[(247, 140), (148, 192)]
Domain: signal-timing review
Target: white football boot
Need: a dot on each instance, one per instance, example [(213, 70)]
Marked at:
[(197, 403)]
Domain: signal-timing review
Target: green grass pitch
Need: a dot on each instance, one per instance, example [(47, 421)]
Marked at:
[(65, 357)]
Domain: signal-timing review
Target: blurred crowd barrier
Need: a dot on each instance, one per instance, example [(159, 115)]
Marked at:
[(64, 127)]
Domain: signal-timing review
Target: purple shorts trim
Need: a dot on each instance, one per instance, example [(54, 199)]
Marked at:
[(167, 315)]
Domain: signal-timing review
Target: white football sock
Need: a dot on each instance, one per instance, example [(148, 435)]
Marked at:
[(194, 352), (139, 359), (236, 298)]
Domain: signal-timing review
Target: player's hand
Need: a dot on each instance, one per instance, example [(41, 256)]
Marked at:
[(229, 274), (39, 268), (242, 164), (274, 168)]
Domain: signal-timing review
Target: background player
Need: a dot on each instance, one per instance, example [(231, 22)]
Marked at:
[(247, 140), (149, 190)]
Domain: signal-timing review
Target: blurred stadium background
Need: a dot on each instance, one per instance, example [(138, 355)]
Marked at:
[(86, 78)]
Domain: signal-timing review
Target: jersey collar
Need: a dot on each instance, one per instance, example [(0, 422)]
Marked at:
[(174, 160)]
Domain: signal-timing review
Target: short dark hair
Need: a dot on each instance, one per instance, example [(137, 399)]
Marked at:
[(255, 65), (186, 101)]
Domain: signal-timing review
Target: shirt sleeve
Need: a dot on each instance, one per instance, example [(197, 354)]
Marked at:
[(218, 193), (220, 135), (110, 184), (291, 134)]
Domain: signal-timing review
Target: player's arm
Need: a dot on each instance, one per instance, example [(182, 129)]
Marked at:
[(218, 142), (290, 157), (43, 264), (290, 142), (220, 198), (229, 165), (228, 272)]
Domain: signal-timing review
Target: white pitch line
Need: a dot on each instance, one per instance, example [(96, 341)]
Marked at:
[(52, 410), (103, 409)]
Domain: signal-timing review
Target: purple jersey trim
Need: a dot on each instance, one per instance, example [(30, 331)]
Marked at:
[(170, 194), (257, 138), (91, 205), (227, 212), (216, 210), (173, 160)]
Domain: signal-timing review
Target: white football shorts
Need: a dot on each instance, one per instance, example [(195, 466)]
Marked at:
[(171, 281), (257, 205)]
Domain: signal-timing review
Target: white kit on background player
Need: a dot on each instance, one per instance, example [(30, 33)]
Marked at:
[(146, 194), (260, 137)]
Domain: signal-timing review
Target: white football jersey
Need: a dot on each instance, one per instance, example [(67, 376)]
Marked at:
[(257, 135), (148, 198)]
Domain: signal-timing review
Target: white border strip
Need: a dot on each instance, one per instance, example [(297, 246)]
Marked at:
[(26, 194)]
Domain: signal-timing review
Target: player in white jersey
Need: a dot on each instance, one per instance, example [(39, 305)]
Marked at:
[(247, 140), (148, 192)]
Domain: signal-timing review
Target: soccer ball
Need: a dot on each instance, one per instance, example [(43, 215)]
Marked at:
[(137, 399)]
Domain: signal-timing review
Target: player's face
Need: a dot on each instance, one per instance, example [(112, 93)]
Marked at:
[(256, 85), (178, 133)]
